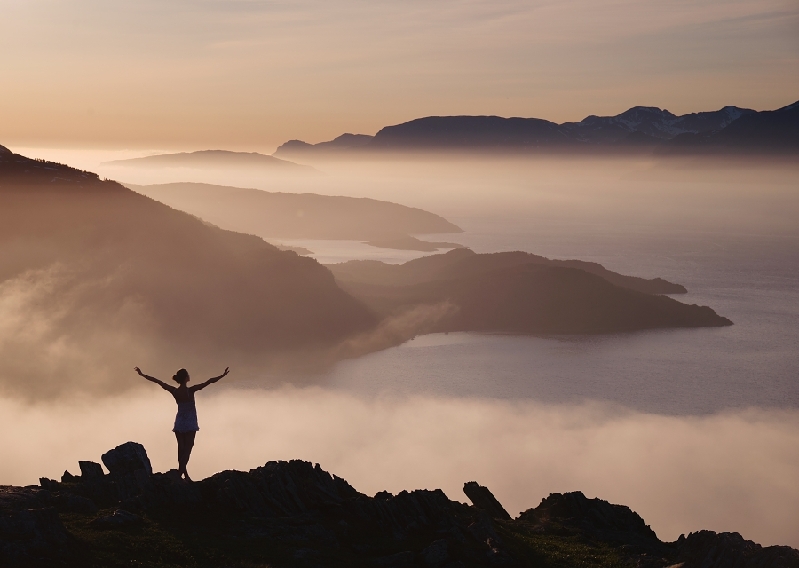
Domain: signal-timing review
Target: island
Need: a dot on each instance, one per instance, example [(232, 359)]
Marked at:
[(517, 292)]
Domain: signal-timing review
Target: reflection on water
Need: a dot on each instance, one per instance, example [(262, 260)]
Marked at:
[(333, 252), (753, 281)]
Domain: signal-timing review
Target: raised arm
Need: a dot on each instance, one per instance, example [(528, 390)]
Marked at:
[(210, 381), (162, 384)]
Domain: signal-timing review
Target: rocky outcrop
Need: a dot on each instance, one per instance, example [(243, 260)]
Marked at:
[(595, 516), (484, 500), (293, 513), (126, 459), (707, 549)]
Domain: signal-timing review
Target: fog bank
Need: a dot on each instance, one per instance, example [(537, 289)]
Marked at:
[(732, 471)]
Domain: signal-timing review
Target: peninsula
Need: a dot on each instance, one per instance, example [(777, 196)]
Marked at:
[(275, 216)]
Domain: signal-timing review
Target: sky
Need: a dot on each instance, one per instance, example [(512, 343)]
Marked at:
[(251, 74)]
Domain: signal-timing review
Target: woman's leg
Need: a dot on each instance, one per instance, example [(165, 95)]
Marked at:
[(185, 445), (179, 436), (188, 445)]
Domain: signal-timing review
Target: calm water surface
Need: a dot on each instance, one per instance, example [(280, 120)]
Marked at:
[(752, 279)]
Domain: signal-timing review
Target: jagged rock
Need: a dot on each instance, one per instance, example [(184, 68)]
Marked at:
[(436, 554), (120, 519), (49, 484), (594, 516), (277, 489), (90, 470), (707, 549), (68, 478), (484, 500), (127, 458)]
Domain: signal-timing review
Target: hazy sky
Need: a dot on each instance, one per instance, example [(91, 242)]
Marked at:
[(250, 74)]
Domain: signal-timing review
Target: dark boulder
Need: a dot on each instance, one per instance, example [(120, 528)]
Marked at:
[(90, 470), (484, 500), (127, 458), (69, 478)]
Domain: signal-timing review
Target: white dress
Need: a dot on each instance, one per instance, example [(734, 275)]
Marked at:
[(186, 419)]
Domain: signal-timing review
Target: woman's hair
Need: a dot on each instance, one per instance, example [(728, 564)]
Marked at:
[(181, 376)]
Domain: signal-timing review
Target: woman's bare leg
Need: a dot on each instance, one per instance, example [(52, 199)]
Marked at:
[(181, 451), (188, 445), (185, 445)]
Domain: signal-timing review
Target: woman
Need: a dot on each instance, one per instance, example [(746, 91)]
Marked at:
[(186, 420)]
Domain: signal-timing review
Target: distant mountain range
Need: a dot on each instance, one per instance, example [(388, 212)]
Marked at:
[(728, 130), (212, 159)]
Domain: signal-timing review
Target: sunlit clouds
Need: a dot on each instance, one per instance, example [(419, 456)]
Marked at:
[(253, 74)]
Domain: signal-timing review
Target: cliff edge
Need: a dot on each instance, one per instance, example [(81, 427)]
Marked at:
[(296, 514)]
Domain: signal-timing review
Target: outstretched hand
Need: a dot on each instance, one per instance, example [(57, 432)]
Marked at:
[(138, 371), (223, 375)]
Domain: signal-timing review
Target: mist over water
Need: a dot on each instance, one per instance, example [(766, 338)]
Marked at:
[(730, 471), (691, 428)]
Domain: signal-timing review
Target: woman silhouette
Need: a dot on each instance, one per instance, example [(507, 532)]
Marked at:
[(186, 420)]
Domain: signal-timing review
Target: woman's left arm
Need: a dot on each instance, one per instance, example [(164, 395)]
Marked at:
[(210, 381)]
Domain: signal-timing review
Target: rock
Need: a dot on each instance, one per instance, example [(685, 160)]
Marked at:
[(127, 458), (68, 478), (598, 518), (484, 500), (277, 489), (707, 549), (49, 484), (436, 554), (120, 519), (90, 470)]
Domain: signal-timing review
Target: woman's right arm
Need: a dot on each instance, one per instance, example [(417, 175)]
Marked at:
[(163, 385)]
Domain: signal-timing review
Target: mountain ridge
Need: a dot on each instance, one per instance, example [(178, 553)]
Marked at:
[(276, 215), (639, 128), (209, 159)]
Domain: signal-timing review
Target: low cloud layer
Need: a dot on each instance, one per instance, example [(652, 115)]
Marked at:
[(725, 472)]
